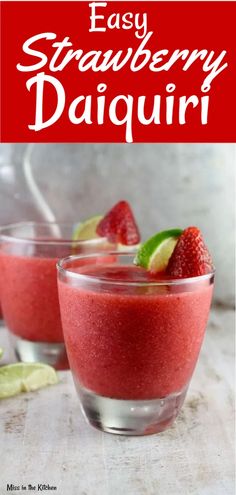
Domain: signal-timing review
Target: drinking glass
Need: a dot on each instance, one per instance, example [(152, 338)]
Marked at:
[(132, 340), (28, 286)]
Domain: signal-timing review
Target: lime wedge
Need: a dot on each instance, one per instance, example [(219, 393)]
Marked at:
[(127, 249), (25, 377), (1, 352), (155, 253), (87, 230)]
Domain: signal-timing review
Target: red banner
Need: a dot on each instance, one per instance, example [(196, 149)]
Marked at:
[(118, 71)]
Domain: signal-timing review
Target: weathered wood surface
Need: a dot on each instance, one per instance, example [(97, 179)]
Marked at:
[(44, 438)]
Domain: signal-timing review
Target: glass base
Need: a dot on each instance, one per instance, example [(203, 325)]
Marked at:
[(130, 417), (53, 354)]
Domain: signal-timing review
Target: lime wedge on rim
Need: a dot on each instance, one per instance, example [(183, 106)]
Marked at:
[(25, 377), (155, 253), (127, 249), (1, 352), (87, 230)]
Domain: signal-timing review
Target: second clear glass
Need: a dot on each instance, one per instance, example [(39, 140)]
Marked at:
[(28, 286)]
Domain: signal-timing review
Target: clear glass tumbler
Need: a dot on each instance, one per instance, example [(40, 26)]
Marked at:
[(28, 286), (132, 340)]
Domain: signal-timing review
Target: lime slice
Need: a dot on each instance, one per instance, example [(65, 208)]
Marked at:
[(1, 352), (25, 377), (127, 249), (87, 230), (155, 253)]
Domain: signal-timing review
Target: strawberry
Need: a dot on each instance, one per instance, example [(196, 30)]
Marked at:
[(119, 225), (190, 257)]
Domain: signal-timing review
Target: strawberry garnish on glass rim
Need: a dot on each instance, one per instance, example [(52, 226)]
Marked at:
[(119, 225), (190, 257)]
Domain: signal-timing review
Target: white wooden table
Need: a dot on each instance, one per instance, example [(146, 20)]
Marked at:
[(44, 438)]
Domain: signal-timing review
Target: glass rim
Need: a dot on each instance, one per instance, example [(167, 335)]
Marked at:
[(7, 236), (97, 279)]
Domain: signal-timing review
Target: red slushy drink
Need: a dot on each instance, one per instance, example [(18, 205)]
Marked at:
[(137, 342), (133, 339), (29, 297)]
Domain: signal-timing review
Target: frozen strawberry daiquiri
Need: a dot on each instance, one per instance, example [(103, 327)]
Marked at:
[(132, 334), (28, 255), (29, 296)]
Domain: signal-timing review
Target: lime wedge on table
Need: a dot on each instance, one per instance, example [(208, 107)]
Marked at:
[(25, 377), (87, 230), (155, 253)]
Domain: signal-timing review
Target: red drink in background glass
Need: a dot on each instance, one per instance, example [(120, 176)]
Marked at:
[(29, 297), (132, 341)]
